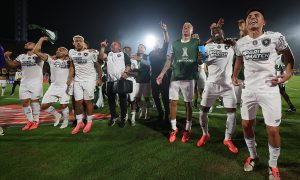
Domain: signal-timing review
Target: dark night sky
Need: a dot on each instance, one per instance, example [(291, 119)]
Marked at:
[(130, 21)]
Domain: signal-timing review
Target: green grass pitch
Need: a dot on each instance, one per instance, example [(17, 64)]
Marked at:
[(143, 151)]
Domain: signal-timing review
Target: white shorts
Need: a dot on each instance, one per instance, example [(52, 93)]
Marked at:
[(270, 102), (31, 91), (238, 91), (84, 90), (56, 93), (185, 86), (142, 89), (134, 90), (212, 91), (3, 83)]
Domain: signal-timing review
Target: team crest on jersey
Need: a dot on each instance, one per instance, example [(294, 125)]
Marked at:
[(227, 46), (85, 54), (266, 42), (254, 42), (219, 46), (119, 55)]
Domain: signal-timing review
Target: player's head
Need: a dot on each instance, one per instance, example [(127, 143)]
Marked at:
[(29, 46), (217, 34), (242, 27), (141, 49), (255, 20), (127, 50), (61, 52), (187, 29), (78, 42), (115, 46)]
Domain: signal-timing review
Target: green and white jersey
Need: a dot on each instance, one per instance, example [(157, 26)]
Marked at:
[(185, 65)]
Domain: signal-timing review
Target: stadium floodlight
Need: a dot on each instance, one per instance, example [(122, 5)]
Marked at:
[(150, 41)]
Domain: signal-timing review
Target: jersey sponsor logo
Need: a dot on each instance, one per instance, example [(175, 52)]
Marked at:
[(255, 55), (254, 42), (217, 54), (28, 63), (79, 60), (185, 56), (61, 65), (266, 42), (85, 54)]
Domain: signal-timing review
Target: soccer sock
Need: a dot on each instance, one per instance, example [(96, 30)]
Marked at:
[(173, 124), (28, 113), (65, 113), (203, 119), (51, 110), (36, 107), (274, 155), (79, 118), (89, 118), (3, 90), (133, 116), (230, 125), (188, 125), (251, 147)]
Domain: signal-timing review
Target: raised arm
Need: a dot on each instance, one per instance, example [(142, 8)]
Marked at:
[(237, 67), (165, 32), (38, 47), (102, 55), (9, 62)]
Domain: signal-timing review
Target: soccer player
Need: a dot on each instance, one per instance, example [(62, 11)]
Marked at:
[(258, 52), (84, 63), (143, 81), (280, 71), (31, 88), (59, 68), (157, 58), (184, 61), (219, 62), (3, 78), (131, 76), (118, 66)]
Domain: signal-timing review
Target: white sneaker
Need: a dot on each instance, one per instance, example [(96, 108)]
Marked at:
[(57, 119), (64, 124)]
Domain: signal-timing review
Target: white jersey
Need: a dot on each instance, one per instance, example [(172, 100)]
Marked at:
[(219, 62), (32, 69), (59, 71), (260, 57), (201, 70), (115, 66), (134, 66), (84, 64)]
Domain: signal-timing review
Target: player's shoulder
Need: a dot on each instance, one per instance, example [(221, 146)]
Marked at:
[(273, 35), (72, 51), (242, 40)]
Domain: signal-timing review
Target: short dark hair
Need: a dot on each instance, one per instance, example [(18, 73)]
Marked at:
[(126, 47), (142, 45), (255, 9)]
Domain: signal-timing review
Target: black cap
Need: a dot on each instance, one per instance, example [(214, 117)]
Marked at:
[(255, 9)]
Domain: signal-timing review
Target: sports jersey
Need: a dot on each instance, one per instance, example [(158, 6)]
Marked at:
[(185, 65), (260, 55), (84, 64), (32, 69), (116, 63), (59, 71), (219, 61)]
